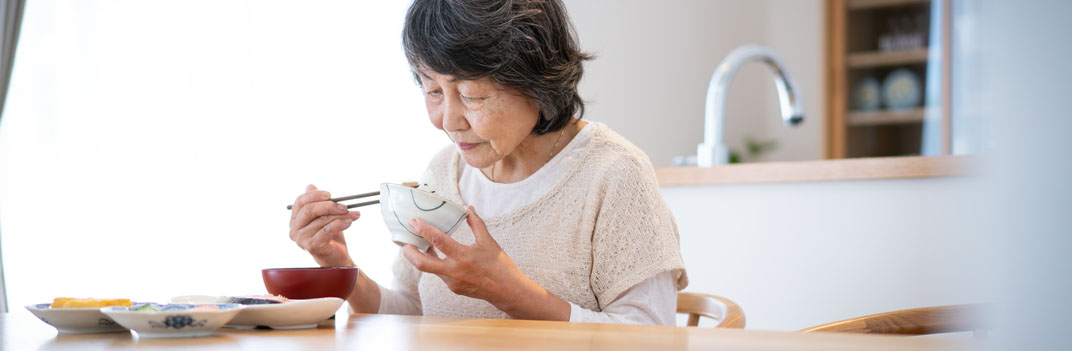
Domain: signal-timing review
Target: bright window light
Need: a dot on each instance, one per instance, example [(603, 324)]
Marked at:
[(149, 148)]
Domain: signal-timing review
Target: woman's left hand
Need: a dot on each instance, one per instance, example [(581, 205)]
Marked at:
[(484, 271)]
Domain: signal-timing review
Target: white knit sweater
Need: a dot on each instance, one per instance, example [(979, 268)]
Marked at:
[(602, 229)]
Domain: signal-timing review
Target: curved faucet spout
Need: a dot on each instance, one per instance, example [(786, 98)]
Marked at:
[(713, 151)]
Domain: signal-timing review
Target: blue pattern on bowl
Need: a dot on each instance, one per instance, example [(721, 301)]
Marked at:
[(178, 321), (180, 306)]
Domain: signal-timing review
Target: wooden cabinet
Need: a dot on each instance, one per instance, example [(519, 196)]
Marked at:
[(888, 78)]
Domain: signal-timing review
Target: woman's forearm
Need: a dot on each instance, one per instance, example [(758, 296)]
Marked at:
[(366, 295), (532, 301)]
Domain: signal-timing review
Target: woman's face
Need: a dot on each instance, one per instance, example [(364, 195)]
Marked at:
[(485, 121)]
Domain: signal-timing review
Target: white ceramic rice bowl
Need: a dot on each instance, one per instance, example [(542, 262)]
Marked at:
[(400, 203)]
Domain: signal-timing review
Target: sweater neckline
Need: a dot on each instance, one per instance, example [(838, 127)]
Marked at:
[(573, 169)]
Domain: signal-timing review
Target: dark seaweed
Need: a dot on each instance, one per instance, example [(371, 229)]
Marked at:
[(252, 301)]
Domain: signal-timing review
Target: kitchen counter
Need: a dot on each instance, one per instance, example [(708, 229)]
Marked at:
[(833, 239), (821, 170)]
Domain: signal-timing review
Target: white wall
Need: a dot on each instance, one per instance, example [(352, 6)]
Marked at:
[(1024, 101), (802, 254), (655, 59), (3, 290)]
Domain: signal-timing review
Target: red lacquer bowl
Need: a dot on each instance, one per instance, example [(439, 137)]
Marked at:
[(310, 283)]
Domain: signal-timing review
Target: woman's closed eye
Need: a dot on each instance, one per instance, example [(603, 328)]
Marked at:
[(473, 98), (434, 93)]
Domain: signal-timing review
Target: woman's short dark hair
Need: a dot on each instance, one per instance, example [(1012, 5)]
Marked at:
[(526, 45)]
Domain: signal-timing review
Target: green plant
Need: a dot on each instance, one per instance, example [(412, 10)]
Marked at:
[(753, 149)]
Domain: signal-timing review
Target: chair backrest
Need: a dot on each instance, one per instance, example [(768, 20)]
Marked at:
[(916, 321), (719, 308)]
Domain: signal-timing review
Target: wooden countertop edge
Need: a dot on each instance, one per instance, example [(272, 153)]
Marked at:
[(821, 170)]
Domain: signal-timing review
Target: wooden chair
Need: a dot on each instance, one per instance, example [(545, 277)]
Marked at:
[(916, 321), (728, 313)]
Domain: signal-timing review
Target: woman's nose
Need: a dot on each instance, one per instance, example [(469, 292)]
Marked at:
[(454, 115)]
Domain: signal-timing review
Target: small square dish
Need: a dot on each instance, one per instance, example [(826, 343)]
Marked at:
[(173, 320), (75, 320), (292, 314)]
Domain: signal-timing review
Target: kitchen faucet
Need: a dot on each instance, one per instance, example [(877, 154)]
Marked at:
[(713, 151)]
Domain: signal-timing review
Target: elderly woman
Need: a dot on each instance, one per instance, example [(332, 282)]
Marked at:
[(566, 221)]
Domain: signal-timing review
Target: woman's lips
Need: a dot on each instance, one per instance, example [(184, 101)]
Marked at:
[(467, 146)]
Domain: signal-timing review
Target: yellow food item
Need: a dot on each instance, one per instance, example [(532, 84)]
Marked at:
[(69, 302), (81, 303), (60, 301), (116, 302)]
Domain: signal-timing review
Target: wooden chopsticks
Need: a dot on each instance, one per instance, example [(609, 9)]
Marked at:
[(362, 195)]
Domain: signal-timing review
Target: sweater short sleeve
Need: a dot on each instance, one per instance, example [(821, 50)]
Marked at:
[(635, 236)]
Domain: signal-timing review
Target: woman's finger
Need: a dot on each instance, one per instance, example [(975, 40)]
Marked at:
[(311, 195), (440, 241), (424, 262), (331, 231), (308, 234), (312, 211), (317, 224), (310, 191), (476, 224)]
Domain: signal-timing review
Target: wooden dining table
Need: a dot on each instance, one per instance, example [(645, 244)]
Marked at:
[(20, 330)]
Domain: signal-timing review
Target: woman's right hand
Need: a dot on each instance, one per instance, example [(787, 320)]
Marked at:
[(316, 225)]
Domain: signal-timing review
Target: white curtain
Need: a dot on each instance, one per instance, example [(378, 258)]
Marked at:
[(150, 148), (10, 22)]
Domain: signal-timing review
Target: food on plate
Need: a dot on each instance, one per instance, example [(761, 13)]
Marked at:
[(70, 302), (257, 299), (153, 307), (149, 307)]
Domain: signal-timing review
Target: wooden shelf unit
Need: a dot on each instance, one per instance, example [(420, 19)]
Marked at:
[(869, 4), (854, 28), (881, 117), (886, 58)]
